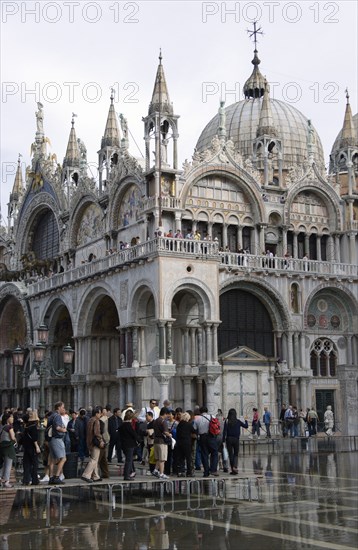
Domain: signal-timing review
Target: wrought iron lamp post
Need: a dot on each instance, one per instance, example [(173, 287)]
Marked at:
[(42, 367)]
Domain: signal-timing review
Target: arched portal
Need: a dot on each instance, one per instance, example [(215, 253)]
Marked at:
[(245, 322)]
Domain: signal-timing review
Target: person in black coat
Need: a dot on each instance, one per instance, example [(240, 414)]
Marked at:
[(129, 441), (182, 449), (29, 436), (231, 437), (114, 423)]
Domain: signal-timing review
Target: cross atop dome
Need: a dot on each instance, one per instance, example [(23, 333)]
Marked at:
[(255, 85), (254, 33)]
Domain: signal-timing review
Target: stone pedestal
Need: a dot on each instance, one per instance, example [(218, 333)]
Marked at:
[(348, 377)]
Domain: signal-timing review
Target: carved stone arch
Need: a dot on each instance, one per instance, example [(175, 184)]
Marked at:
[(275, 218), (269, 296), (57, 316), (9, 292), (237, 175), (217, 217), (76, 216), (344, 299), (141, 293), (51, 308), (88, 304), (117, 198), (202, 216), (40, 203), (233, 219), (189, 212), (324, 191), (207, 301)]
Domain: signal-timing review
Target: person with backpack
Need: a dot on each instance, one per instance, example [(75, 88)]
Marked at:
[(231, 436), (208, 428)]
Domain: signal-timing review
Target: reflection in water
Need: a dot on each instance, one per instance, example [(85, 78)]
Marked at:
[(302, 498)]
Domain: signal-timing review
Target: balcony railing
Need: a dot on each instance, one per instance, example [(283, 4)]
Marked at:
[(195, 250), (265, 263)]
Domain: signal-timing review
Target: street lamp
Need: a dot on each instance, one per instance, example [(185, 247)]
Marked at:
[(42, 367)]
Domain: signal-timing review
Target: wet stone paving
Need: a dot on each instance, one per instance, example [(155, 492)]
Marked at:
[(281, 500)]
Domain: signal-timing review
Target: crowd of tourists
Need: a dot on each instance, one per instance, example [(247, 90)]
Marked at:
[(167, 441)]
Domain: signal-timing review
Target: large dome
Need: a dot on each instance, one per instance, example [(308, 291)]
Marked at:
[(242, 120)]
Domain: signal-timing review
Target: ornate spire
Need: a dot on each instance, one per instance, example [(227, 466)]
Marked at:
[(348, 137), (18, 187), (111, 136), (255, 84), (160, 98), (266, 125), (72, 157)]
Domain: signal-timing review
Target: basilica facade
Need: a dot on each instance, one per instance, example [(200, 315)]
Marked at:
[(228, 280)]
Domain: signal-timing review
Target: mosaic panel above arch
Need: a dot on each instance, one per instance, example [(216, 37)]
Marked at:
[(130, 207), (327, 312), (91, 225)]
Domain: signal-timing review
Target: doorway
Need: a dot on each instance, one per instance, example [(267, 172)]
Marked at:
[(323, 399)]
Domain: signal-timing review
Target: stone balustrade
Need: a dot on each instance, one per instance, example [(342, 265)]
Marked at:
[(195, 250)]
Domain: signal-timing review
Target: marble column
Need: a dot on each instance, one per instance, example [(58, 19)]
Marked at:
[(122, 393), (210, 393), (135, 362), (318, 247), (352, 248), (284, 391), (208, 342), (90, 396), (307, 244), (169, 348), (186, 345), (192, 346), (199, 392), (161, 331), (130, 384), (303, 350), (200, 345), (138, 391), (293, 391), (187, 392), (296, 354), (349, 349), (215, 341), (295, 244), (337, 248), (289, 350), (259, 390), (303, 392), (163, 387)]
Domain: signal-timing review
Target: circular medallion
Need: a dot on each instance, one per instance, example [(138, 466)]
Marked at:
[(322, 305), (335, 321), (311, 320)]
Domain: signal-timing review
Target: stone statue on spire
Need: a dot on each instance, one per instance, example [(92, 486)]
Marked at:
[(40, 118)]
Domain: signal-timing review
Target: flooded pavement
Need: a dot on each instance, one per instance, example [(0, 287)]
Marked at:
[(279, 501)]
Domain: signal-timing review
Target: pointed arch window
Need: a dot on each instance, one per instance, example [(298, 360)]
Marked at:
[(323, 358)]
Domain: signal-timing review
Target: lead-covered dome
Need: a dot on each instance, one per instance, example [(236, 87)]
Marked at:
[(242, 121)]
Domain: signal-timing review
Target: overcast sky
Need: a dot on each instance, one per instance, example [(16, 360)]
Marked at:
[(68, 55)]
